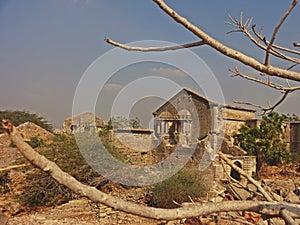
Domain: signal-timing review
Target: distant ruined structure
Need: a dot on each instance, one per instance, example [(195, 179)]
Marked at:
[(82, 122), (189, 119)]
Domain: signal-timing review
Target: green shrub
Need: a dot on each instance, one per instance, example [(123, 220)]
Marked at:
[(42, 190), (36, 142), (266, 141), (187, 183)]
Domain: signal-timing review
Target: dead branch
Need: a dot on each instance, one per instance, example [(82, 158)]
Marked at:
[(236, 72), (284, 214), (296, 44), (270, 108), (261, 38), (244, 28), (92, 193), (237, 182), (267, 58), (249, 178), (266, 109), (154, 49), (225, 50), (14, 167)]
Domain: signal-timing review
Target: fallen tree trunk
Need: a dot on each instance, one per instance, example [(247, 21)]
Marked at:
[(197, 209)]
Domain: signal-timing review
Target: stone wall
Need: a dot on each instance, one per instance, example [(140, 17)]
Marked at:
[(232, 126), (141, 140), (237, 113), (235, 117)]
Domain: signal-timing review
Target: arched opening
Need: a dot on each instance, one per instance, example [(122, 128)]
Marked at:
[(233, 173)]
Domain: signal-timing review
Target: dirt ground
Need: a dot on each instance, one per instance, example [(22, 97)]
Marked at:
[(79, 212)]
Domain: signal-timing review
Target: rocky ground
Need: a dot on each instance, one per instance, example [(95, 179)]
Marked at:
[(284, 182), (79, 212)]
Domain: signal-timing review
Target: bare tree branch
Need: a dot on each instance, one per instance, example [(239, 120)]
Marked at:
[(267, 59), (236, 72), (284, 214), (244, 28), (232, 53), (260, 38), (14, 167), (296, 45), (270, 108), (244, 174), (196, 209), (286, 90), (241, 26), (154, 49)]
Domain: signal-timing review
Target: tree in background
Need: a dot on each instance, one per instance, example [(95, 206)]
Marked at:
[(267, 140), (18, 117), (122, 122)]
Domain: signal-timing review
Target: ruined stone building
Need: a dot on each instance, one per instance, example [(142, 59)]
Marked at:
[(188, 117), (82, 122)]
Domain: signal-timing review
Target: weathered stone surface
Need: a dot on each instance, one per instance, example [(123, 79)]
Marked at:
[(292, 198), (3, 219), (81, 121), (239, 192), (280, 187)]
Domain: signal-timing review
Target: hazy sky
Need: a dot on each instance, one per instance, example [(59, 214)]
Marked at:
[(46, 47)]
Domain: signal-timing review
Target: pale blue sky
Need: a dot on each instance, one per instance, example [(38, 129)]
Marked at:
[(47, 45)]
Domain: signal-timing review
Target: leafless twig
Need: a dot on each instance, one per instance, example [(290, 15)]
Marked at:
[(267, 58), (261, 38), (220, 47), (268, 83), (244, 28), (269, 108), (14, 167)]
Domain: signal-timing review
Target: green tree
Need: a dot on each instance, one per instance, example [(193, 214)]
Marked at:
[(18, 117), (135, 123), (291, 118), (122, 122), (265, 141)]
